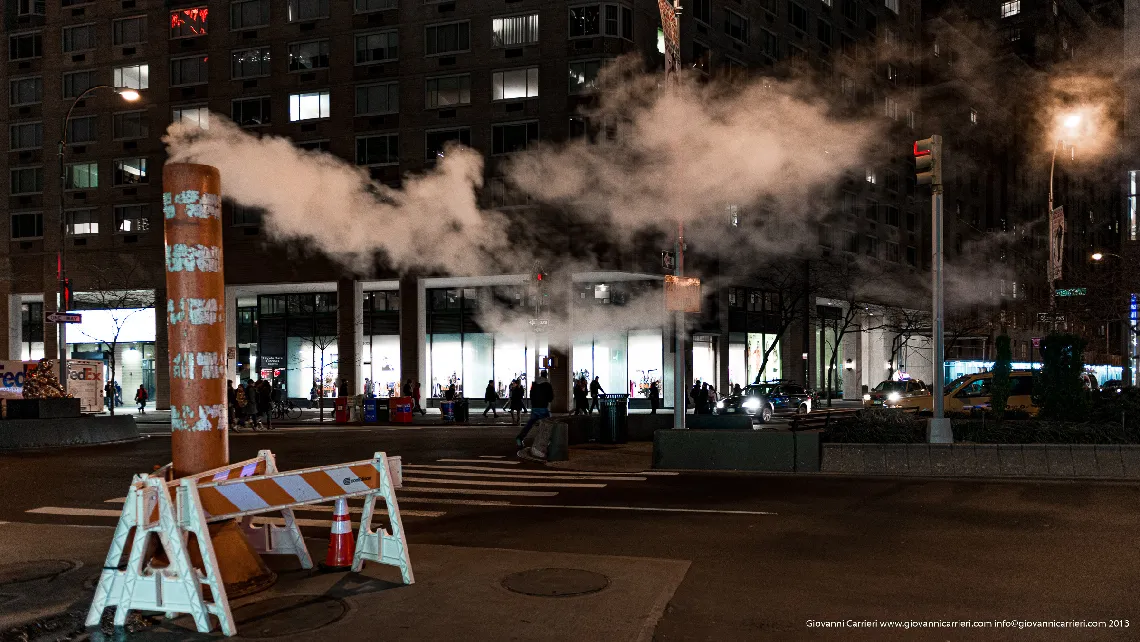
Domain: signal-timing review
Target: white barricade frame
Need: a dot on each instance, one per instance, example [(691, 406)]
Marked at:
[(172, 511)]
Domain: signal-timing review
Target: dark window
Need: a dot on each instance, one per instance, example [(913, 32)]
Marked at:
[(585, 21), (383, 149), (131, 124), (77, 82), (797, 15), (507, 139), (437, 141), (736, 25), (83, 129), (26, 91), (189, 71), (912, 257), (251, 111), (304, 56), (700, 57), (377, 47), (78, 38), (447, 38), (129, 31), (383, 98), (823, 31), (25, 45), (27, 180), (701, 11), (28, 225), (245, 14)]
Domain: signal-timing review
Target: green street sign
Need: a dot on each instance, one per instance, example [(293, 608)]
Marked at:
[(1072, 292)]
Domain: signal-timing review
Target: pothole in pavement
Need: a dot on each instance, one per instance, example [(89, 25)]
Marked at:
[(555, 582), (288, 615), (21, 572)]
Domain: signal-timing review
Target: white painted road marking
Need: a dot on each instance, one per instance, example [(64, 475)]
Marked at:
[(474, 482), (481, 461), (534, 471), (513, 475), (107, 512), (492, 456), (471, 491), (651, 509)]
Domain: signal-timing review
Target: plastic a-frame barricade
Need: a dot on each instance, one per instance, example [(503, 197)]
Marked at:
[(151, 509)]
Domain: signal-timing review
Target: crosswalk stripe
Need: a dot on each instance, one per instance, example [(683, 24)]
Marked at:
[(492, 456), (473, 491), (75, 512), (513, 475), (353, 509), (457, 502), (650, 509), (528, 471), (481, 461), (475, 482)]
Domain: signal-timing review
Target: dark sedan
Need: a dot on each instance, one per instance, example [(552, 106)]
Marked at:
[(762, 400)]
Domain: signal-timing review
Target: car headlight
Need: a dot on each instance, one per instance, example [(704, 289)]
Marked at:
[(720, 404), (751, 403), (893, 397), (866, 397)]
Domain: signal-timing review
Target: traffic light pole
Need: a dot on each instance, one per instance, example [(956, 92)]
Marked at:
[(679, 369), (928, 163)]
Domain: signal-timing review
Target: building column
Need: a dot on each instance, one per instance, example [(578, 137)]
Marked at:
[(230, 310), (161, 352), (722, 343), (14, 336), (349, 335), (853, 350), (413, 334)]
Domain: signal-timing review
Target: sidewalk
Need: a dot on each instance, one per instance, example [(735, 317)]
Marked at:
[(461, 593)]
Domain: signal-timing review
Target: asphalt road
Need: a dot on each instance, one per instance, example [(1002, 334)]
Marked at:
[(769, 553)]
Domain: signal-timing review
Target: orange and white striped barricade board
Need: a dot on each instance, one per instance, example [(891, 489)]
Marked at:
[(151, 511)]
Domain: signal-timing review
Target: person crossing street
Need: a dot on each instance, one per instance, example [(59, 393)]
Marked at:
[(541, 396)]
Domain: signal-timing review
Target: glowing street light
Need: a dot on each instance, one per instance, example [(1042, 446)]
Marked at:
[(1096, 256), (129, 95), (1072, 121), (1100, 256)]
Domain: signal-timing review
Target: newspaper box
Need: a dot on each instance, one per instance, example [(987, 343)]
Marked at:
[(401, 410), (341, 412)]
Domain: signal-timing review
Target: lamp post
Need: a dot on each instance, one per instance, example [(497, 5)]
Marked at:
[(129, 95), (1069, 125)]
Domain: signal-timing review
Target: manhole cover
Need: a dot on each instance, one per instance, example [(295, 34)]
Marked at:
[(555, 582), (288, 615), (32, 571)]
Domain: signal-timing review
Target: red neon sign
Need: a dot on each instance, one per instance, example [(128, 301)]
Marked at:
[(192, 19)]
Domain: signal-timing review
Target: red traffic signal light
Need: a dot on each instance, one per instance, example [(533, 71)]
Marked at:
[(65, 295), (928, 160)]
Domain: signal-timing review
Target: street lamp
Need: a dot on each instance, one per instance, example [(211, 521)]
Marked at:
[(129, 95), (1069, 128), (1099, 256)]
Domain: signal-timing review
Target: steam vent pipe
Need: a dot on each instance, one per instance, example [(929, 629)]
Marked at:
[(196, 324), (195, 306)]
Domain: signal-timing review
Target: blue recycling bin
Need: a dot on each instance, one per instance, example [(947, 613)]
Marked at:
[(447, 409), (370, 410)]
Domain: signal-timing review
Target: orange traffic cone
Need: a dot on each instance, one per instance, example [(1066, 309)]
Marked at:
[(341, 543)]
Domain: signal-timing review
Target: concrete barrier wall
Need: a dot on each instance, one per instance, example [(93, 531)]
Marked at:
[(17, 434), (984, 460), (722, 449)]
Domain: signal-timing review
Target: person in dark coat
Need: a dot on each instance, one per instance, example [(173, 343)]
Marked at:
[(516, 398), (491, 396), (654, 397), (541, 396), (264, 395), (140, 398), (595, 389), (581, 398)]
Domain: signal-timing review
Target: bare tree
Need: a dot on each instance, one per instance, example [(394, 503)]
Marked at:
[(792, 281), (905, 324), (120, 290), (320, 336), (851, 283)]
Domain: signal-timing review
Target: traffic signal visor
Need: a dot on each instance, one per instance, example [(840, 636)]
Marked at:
[(924, 161)]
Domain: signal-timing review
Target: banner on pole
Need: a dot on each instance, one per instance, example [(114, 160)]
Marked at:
[(85, 382), (1056, 243), (682, 294), (671, 34)]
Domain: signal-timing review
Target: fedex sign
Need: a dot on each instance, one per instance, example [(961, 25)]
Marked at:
[(85, 381), (12, 377)]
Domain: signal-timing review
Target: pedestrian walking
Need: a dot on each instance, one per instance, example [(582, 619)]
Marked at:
[(140, 398), (654, 397), (595, 389), (264, 396), (449, 394), (541, 395), (515, 394), (118, 395), (231, 401), (416, 399), (712, 399), (736, 390), (491, 396), (240, 402), (109, 395), (581, 397), (250, 408)]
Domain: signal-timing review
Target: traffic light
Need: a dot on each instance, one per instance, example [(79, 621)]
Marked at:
[(65, 303), (928, 160), (539, 276)]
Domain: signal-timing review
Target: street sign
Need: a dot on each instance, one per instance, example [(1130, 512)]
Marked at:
[(667, 262), (1072, 292), (1050, 317), (64, 317), (540, 325), (682, 294)]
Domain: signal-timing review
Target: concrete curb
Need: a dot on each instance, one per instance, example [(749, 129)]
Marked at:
[(25, 434), (1039, 461)]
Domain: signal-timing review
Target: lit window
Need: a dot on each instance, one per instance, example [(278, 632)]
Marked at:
[(514, 31), (131, 219), (871, 176), (973, 117), (585, 21), (438, 140), (188, 23), (132, 77), (448, 91), (516, 83), (1133, 205), (448, 38), (129, 171), (382, 149), (893, 5), (251, 111), (196, 116), (84, 221), (1010, 8), (82, 176), (308, 106), (594, 20), (891, 108), (377, 47)]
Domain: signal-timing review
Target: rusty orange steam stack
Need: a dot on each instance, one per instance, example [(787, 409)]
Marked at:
[(195, 308)]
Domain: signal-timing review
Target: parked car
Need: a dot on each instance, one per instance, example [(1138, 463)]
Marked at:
[(1114, 386), (972, 392), (763, 400), (895, 394)]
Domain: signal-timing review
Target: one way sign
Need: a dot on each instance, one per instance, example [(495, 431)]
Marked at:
[(64, 317)]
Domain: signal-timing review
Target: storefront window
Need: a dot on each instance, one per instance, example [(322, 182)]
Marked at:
[(382, 364), (311, 359), (623, 363), (446, 362), (758, 346), (478, 363)]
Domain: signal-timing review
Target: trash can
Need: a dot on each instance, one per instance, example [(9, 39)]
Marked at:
[(462, 410), (383, 415), (401, 410), (447, 409), (340, 413), (370, 410), (613, 419)]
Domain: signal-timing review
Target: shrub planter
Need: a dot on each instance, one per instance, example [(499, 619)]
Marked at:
[(1042, 461), (726, 449)]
